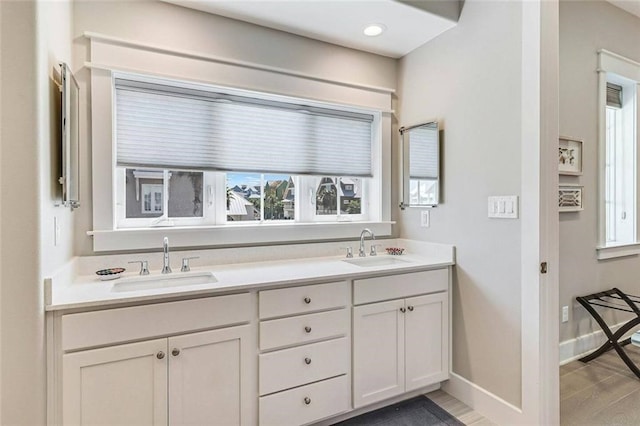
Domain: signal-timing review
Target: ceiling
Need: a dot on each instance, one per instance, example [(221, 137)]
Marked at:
[(409, 24), (631, 6)]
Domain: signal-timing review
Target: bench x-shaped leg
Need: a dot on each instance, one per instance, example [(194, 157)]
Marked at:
[(613, 341)]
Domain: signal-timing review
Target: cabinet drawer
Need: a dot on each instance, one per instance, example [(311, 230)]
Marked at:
[(304, 328), (303, 299), (111, 326), (306, 404), (398, 286), (305, 364)]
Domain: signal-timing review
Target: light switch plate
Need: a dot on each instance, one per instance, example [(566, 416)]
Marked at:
[(425, 219), (503, 207)]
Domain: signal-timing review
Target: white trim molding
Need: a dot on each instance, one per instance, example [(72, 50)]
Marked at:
[(622, 250), (117, 41), (481, 400), (573, 349), (618, 64)]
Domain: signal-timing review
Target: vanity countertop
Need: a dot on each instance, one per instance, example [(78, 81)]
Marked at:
[(81, 290)]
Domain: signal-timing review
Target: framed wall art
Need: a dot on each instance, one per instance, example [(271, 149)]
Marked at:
[(570, 198), (570, 156)]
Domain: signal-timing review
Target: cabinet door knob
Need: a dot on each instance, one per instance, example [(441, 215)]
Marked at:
[(307, 361), (410, 308), (307, 329), (307, 400), (307, 300), (160, 355), (403, 310), (175, 352)]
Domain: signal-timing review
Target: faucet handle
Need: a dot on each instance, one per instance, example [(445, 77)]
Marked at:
[(144, 266), (349, 250), (185, 263), (374, 252)]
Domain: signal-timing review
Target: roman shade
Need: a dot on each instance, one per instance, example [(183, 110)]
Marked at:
[(159, 125), (614, 95)]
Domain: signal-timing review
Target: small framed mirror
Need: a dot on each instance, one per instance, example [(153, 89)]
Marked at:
[(420, 164), (70, 176)]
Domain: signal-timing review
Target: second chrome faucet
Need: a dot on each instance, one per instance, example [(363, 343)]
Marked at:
[(363, 234), (166, 266)]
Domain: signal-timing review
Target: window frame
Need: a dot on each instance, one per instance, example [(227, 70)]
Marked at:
[(617, 69), (107, 236)]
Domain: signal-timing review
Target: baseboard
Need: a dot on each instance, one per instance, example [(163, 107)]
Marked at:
[(572, 349), (484, 402)]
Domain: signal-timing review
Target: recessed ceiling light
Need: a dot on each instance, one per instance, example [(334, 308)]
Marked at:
[(373, 30)]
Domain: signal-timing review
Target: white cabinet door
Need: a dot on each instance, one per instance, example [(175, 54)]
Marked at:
[(210, 378), (118, 385), (426, 340), (378, 352)]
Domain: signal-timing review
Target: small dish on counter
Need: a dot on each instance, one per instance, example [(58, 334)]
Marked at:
[(394, 251), (109, 273)]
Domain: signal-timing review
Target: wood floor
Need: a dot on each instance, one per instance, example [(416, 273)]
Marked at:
[(457, 409), (602, 392)]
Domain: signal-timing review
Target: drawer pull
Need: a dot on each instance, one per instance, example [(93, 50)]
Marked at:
[(410, 308), (403, 310), (307, 400), (160, 355), (307, 329), (175, 352), (307, 300), (307, 361)]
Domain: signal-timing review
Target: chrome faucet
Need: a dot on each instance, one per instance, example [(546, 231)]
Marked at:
[(365, 231), (166, 268)]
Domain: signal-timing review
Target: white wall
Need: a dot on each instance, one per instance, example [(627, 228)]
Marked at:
[(22, 340), (54, 38), (35, 36), (586, 27), (175, 27), (0, 216), (469, 79)]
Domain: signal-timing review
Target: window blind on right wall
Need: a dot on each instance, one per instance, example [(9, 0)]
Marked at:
[(171, 127), (614, 95)]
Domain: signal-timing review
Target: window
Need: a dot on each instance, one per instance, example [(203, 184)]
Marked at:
[(620, 166), (152, 199), (193, 155), (260, 197), (159, 197), (619, 141), (339, 198)]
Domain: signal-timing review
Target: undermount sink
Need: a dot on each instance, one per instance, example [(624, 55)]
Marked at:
[(176, 279), (369, 262)]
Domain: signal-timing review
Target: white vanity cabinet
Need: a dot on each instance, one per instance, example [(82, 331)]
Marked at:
[(124, 384), (402, 344), (305, 356), (290, 352), (205, 377)]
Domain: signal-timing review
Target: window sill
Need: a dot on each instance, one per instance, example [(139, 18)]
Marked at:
[(622, 250), (231, 235)]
